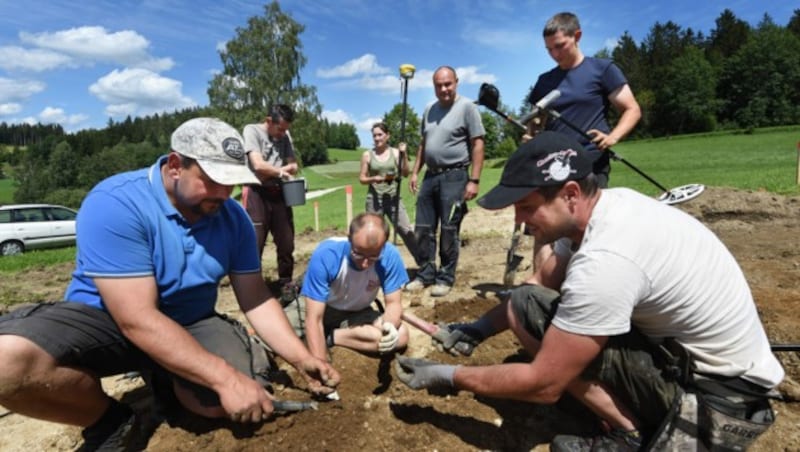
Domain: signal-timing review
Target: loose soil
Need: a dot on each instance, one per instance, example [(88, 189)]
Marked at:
[(377, 412)]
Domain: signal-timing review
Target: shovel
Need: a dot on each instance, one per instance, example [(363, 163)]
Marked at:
[(512, 258)]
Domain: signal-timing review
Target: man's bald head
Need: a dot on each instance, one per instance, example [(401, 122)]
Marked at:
[(370, 229)]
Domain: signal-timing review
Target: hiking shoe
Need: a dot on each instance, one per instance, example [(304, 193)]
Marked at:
[(289, 293), (114, 431), (615, 440), (414, 286), (440, 290)]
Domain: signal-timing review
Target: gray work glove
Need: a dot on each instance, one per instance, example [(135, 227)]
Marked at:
[(462, 338), (419, 373)]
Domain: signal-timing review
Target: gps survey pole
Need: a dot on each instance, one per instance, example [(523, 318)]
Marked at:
[(406, 73)]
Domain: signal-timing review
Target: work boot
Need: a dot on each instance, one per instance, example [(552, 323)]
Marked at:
[(114, 431), (414, 286), (289, 292), (615, 440), (440, 290)]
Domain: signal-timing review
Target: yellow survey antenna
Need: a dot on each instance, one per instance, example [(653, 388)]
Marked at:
[(407, 71)]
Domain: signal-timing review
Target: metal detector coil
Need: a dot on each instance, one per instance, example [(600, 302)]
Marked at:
[(681, 194)]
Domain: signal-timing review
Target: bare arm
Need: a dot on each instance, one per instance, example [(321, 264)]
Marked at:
[(266, 315), (133, 303), (394, 308), (364, 176), (551, 273), (625, 103), (471, 191), (559, 361), (418, 162), (402, 148), (262, 169), (315, 333)]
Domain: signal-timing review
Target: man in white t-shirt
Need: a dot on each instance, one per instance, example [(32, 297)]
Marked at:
[(638, 302), (343, 278)]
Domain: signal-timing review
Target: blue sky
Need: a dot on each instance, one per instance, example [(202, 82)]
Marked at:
[(81, 63)]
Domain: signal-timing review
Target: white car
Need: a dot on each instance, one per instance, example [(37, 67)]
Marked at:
[(32, 226)]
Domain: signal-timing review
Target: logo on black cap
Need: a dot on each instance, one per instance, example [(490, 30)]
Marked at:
[(560, 168)]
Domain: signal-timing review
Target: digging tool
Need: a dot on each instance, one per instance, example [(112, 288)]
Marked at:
[(512, 259), (489, 97), (440, 334), (406, 73), (292, 406)]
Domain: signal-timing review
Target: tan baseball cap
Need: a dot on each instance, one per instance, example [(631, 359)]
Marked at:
[(217, 147)]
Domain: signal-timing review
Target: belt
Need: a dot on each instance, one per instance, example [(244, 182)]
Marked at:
[(269, 189), (444, 169)]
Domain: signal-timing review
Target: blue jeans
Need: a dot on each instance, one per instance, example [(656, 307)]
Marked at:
[(440, 202)]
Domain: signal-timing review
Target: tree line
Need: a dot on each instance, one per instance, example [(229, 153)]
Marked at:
[(738, 77)]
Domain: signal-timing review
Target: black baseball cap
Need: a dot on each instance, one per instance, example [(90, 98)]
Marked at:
[(549, 159)]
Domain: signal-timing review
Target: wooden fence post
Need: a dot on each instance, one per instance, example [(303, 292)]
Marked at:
[(348, 189)]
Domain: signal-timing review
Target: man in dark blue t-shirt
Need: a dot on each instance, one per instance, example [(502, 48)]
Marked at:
[(588, 87)]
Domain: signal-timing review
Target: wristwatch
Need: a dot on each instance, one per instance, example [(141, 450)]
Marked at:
[(475, 181)]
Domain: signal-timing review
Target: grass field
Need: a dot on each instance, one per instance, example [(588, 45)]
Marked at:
[(6, 191), (764, 160)]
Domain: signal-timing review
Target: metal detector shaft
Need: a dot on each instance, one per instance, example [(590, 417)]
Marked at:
[(508, 118), (785, 347), (611, 153)]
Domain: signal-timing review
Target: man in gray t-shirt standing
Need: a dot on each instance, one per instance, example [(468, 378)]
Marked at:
[(271, 157), (452, 148)]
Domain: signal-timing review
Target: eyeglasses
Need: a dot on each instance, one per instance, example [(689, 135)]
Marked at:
[(361, 257)]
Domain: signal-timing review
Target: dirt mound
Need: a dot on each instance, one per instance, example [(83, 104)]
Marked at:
[(376, 412)]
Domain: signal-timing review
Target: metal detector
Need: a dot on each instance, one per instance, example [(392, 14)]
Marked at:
[(406, 73), (488, 96)]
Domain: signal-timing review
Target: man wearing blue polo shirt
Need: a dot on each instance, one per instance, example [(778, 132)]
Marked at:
[(341, 282), (153, 245)]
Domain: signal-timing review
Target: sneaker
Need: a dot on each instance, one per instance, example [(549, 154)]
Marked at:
[(414, 286), (114, 431), (615, 440), (440, 290)]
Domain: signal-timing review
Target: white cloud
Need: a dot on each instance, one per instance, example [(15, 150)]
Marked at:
[(611, 43), (17, 90), (366, 124), (471, 75), (139, 91), (505, 40), (96, 44), (33, 60), (423, 79), (337, 116), (366, 64), (51, 115), (10, 109)]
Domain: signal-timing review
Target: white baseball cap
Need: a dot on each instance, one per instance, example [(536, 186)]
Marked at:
[(217, 147)]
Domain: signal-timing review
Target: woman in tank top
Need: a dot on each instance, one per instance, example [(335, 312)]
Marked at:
[(379, 171)]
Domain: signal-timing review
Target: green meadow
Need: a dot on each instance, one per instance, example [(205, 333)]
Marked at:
[(766, 159)]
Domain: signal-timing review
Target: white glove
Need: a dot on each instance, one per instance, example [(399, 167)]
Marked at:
[(389, 338)]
